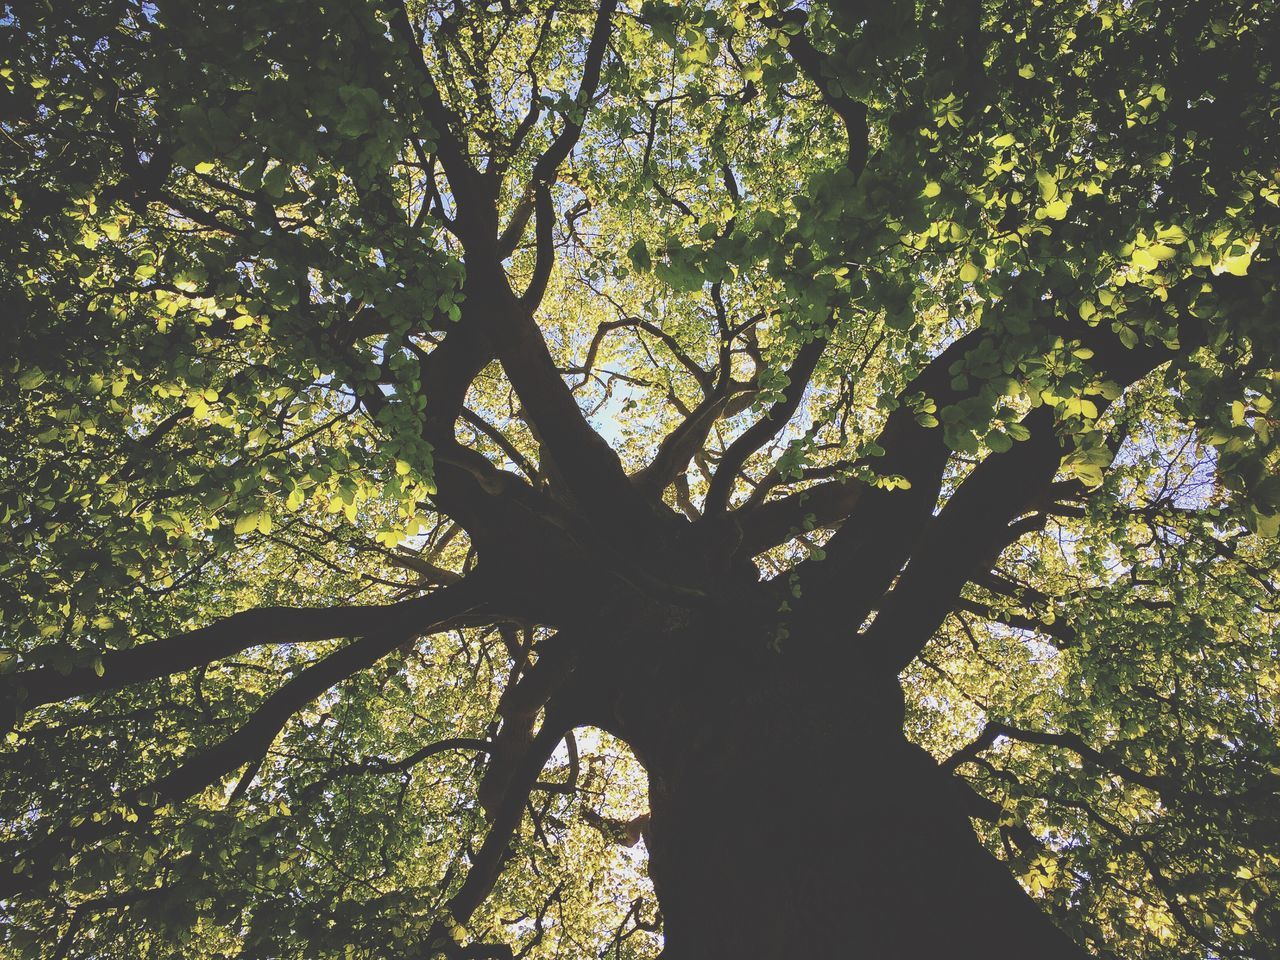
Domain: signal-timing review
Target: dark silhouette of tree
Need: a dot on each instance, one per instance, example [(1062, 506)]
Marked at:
[(429, 426)]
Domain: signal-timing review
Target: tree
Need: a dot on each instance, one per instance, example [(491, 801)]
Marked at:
[(428, 423)]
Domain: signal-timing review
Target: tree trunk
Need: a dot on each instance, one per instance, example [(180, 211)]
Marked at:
[(790, 818)]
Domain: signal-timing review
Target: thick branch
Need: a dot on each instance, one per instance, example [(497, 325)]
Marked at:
[(982, 517), (968, 535), (519, 709), (852, 113), (254, 737), (545, 241), (766, 428), (681, 444), (775, 521), (231, 635), (587, 463), (544, 170), (487, 864), (871, 546)]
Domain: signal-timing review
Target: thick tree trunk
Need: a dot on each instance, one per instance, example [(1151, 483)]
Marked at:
[(794, 820)]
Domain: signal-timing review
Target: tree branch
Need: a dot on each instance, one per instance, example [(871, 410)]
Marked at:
[(853, 114), (764, 429), (1063, 635), (487, 864), (450, 607), (545, 241), (462, 176), (544, 170), (967, 535), (231, 635), (875, 540), (770, 523), (982, 516)]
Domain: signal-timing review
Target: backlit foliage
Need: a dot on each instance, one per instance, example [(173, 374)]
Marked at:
[(232, 239)]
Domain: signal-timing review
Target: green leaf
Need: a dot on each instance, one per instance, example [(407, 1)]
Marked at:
[(998, 442), (638, 253), (1048, 185)]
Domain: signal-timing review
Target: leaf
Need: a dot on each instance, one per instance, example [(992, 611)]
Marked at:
[(1080, 407), (275, 181), (1090, 474), (31, 378), (1143, 259), (1267, 525), (1237, 266), (639, 256), (998, 442), (1056, 209), (1048, 185)]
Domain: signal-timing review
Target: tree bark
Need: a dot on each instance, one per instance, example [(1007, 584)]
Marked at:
[(791, 818)]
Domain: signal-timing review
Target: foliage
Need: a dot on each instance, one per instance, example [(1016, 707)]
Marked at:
[(311, 307)]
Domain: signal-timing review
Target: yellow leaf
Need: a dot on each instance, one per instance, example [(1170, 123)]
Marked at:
[(1055, 210), (1143, 260), (1236, 266)]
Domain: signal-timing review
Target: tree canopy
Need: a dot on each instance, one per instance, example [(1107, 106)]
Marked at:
[(382, 379)]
